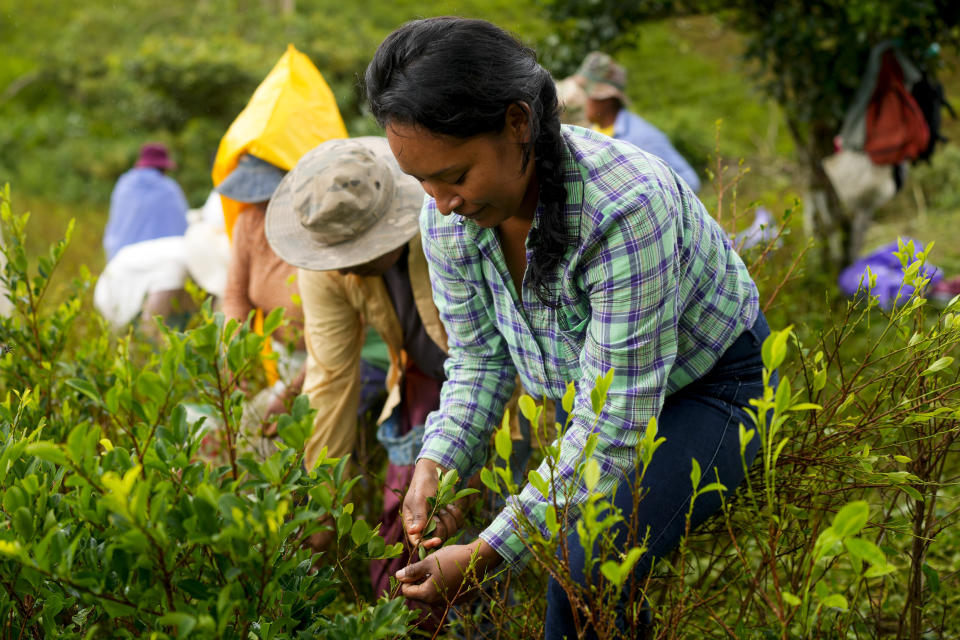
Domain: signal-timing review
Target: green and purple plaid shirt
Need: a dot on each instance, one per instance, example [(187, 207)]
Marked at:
[(649, 286)]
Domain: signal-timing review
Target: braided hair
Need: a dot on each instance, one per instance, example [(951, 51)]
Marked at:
[(457, 77)]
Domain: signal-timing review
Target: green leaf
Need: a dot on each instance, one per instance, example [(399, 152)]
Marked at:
[(550, 516), (774, 348), (503, 443), (273, 321), (539, 483), (819, 380), (790, 599), (360, 532), (835, 601), (23, 523), (694, 473), (183, 622), (344, 524), (528, 408), (85, 387), (933, 578), (940, 364), (14, 498), (611, 571), (568, 396), (783, 396), (865, 550), (490, 481), (591, 473), (596, 402), (910, 491), (150, 385), (877, 570), (46, 450), (851, 518)]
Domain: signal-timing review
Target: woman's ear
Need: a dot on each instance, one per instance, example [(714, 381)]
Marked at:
[(518, 122)]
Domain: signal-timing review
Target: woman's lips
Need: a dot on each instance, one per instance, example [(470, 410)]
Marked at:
[(472, 214)]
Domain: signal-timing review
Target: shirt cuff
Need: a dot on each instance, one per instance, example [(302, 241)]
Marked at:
[(446, 451), (504, 535)]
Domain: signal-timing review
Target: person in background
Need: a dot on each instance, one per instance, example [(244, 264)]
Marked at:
[(347, 216), (257, 278), (606, 107), (145, 203)]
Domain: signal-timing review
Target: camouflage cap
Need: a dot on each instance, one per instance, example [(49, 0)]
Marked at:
[(346, 202), (602, 78)]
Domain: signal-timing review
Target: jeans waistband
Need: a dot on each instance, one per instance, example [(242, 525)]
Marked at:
[(749, 342)]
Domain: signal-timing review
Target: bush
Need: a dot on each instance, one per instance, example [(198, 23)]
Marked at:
[(113, 527)]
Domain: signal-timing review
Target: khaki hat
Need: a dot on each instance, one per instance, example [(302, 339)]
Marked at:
[(345, 203), (602, 78)]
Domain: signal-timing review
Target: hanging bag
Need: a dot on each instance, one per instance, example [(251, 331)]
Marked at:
[(896, 127)]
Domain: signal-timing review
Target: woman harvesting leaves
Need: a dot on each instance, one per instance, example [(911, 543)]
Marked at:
[(558, 253)]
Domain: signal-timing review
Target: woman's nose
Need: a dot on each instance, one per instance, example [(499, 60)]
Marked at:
[(447, 200)]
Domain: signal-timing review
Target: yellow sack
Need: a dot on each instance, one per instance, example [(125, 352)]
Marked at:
[(291, 112)]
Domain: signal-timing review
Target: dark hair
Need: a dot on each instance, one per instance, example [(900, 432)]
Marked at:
[(458, 77)]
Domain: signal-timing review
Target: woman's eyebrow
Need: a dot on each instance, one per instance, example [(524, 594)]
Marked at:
[(441, 172)]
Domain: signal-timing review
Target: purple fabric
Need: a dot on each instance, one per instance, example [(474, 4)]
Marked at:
[(889, 275), (145, 204)]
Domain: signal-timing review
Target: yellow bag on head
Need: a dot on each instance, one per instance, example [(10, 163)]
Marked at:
[(292, 111)]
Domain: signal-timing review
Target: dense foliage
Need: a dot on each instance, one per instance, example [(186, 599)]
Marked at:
[(112, 526)]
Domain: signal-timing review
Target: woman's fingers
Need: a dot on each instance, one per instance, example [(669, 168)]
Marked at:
[(417, 581), (416, 572), (414, 514), (415, 510)]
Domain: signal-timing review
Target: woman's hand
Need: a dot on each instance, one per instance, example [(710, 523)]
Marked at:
[(441, 576), (423, 485), (447, 520)]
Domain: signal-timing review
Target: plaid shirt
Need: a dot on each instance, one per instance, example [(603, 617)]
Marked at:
[(649, 286)]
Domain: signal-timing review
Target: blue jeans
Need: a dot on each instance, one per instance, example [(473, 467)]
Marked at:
[(699, 421)]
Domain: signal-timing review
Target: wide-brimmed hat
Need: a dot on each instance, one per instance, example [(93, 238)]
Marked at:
[(602, 78), (155, 155), (345, 203), (253, 180)]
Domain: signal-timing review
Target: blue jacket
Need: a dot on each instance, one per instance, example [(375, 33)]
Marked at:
[(145, 205), (640, 133)]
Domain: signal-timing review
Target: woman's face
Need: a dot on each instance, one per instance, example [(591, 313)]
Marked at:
[(479, 178)]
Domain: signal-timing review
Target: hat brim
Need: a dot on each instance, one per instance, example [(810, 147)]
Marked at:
[(397, 227), (604, 91)]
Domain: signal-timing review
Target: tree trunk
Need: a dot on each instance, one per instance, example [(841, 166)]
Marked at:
[(839, 233)]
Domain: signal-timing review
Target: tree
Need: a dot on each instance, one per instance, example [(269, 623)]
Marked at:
[(808, 55)]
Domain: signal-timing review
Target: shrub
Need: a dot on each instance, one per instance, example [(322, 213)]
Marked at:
[(112, 526)]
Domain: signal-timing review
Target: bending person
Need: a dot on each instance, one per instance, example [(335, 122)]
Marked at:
[(257, 278), (559, 253), (605, 82), (347, 216)]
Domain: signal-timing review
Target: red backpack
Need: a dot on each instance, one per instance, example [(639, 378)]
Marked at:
[(896, 127)]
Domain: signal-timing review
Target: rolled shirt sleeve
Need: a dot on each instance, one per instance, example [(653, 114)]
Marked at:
[(480, 373)]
